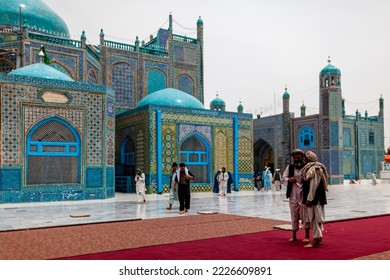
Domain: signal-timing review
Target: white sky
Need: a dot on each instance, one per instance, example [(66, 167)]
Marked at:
[(254, 47)]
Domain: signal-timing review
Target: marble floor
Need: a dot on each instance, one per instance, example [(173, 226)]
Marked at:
[(344, 202)]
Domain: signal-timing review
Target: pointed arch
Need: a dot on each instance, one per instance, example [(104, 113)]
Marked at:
[(185, 83), (92, 77), (122, 79), (6, 65), (156, 80), (56, 64), (53, 153), (195, 153), (128, 156)]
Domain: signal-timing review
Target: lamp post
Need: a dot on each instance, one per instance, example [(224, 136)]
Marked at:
[(20, 62)]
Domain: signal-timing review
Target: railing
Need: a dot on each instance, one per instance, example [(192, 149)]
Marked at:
[(184, 39), (54, 40), (125, 184), (121, 46), (153, 51)]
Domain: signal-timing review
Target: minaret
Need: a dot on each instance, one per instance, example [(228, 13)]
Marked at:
[(381, 113), (286, 101), (240, 108), (330, 122), (303, 110), (199, 32), (286, 128)]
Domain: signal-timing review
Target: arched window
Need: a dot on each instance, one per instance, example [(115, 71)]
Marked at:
[(194, 152), (347, 137), (61, 68), (306, 138), (6, 66), (53, 152), (128, 156), (156, 80), (122, 81), (186, 84), (92, 79), (363, 139)]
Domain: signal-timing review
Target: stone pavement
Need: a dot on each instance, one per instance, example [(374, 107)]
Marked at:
[(344, 202)]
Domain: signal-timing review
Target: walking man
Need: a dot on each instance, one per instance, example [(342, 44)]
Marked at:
[(277, 179), (172, 186), (223, 178), (183, 177), (140, 186)]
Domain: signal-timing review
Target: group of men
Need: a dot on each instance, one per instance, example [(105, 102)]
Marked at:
[(263, 180), (179, 186), (223, 181), (307, 183), (306, 180)]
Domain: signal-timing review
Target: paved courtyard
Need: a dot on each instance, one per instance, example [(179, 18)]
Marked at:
[(344, 202)]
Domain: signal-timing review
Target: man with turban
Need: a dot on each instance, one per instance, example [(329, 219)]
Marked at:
[(315, 173)]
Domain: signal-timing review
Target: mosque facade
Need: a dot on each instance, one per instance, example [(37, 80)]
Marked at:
[(350, 146), (79, 127)]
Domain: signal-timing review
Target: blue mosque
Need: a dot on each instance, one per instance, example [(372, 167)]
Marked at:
[(78, 119)]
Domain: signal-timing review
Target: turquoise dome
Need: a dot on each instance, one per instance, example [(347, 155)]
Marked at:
[(286, 95), (330, 69), (171, 97), (38, 15), (217, 102), (240, 107), (41, 70), (200, 21)]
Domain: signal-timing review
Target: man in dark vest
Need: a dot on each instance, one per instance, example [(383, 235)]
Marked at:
[(297, 192), (183, 177)]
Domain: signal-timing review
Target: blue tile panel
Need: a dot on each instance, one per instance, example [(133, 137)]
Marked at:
[(334, 136), (10, 179), (94, 177)]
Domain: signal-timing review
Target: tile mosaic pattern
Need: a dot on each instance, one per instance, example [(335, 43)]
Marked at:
[(169, 148), (84, 112)]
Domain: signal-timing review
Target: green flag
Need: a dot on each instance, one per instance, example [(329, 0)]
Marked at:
[(46, 58)]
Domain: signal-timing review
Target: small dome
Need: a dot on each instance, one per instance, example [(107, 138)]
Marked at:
[(199, 22), (286, 95), (38, 15), (240, 108), (41, 70), (217, 102), (330, 69), (172, 98)]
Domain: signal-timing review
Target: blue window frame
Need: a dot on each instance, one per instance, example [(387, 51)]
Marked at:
[(53, 153), (195, 153), (306, 138)]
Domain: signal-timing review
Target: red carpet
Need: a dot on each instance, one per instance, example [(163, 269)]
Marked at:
[(342, 241)]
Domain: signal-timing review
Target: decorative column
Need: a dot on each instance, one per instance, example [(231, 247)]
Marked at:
[(158, 152), (235, 152)]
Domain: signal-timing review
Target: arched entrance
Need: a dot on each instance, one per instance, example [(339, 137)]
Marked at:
[(263, 155), (127, 157)]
